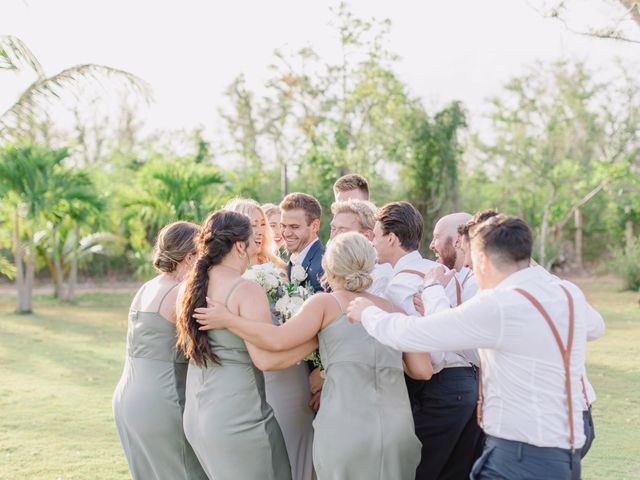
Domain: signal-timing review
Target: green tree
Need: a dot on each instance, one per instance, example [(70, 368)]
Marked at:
[(167, 191), (555, 147), (27, 174), (430, 172)]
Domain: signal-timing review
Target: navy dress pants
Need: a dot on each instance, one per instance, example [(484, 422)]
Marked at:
[(444, 413), (506, 459)]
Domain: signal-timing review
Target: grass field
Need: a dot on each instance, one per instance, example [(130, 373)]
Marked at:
[(59, 366)]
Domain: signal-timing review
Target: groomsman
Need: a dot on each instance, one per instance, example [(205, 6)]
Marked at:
[(588, 392), (397, 235), (531, 335), (351, 186), (355, 215), (300, 222)]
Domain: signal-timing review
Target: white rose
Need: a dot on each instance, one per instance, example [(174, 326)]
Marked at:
[(298, 274), (302, 292), (281, 304), (272, 281), (294, 305), (250, 275)]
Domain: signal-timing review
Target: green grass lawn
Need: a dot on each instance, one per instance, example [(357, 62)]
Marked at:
[(59, 366)]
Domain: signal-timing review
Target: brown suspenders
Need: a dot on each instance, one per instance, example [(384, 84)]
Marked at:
[(564, 351)]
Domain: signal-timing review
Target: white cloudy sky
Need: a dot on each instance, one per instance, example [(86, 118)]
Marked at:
[(190, 50)]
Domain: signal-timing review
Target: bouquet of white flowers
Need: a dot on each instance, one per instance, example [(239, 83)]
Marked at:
[(285, 299), (268, 277)]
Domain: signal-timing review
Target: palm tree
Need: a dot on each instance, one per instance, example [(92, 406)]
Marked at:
[(15, 55), (72, 201), (24, 175), (165, 192)]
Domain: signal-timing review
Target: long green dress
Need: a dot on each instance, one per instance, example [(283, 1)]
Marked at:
[(364, 429), (227, 418), (149, 400)]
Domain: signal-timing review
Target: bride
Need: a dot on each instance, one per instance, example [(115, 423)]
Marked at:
[(287, 390)]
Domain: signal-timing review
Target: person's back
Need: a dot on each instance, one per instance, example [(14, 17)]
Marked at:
[(227, 420), (525, 361), (149, 400), (365, 414)]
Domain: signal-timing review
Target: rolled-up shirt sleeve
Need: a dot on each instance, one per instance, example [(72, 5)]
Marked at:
[(595, 324), (477, 323)]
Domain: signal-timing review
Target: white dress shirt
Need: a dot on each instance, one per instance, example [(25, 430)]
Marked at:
[(298, 259), (522, 369), (381, 274), (589, 393), (468, 289), (403, 286), (400, 291)]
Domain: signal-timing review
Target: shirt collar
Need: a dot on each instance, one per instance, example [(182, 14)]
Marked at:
[(299, 259), (407, 261), (521, 277)]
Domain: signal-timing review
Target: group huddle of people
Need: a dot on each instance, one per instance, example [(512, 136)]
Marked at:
[(470, 366)]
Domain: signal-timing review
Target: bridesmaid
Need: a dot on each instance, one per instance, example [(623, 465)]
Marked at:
[(273, 214), (227, 419), (149, 399), (287, 390), (364, 429)]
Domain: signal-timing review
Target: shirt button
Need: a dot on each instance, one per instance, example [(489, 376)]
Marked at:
[(459, 397)]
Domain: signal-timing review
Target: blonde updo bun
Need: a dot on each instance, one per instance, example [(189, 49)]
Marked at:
[(349, 261)]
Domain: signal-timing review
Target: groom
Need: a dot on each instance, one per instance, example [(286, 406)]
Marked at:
[(300, 224)]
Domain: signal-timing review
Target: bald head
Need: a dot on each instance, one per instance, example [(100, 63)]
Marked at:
[(445, 243)]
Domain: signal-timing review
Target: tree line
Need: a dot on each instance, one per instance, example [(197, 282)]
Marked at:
[(560, 149)]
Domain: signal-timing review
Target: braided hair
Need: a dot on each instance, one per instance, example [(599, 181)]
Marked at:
[(220, 232)]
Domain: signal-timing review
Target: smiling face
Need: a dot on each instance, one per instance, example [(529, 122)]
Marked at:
[(296, 232), (274, 224), (382, 244), (258, 227), (442, 244)]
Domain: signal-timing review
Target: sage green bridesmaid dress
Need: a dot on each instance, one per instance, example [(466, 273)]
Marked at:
[(149, 400), (227, 418), (364, 429)]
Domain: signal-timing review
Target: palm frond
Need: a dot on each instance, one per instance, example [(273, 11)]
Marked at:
[(7, 268), (15, 54), (44, 90)]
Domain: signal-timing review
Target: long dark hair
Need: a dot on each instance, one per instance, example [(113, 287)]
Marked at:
[(220, 232)]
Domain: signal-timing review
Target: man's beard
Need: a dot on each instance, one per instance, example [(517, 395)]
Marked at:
[(448, 255)]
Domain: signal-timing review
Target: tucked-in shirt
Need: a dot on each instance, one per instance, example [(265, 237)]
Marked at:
[(381, 274), (522, 369), (468, 288)]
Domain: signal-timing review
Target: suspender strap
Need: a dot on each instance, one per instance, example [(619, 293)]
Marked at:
[(467, 277), (412, 272), (458, 291), (584, 392), (565, 352)]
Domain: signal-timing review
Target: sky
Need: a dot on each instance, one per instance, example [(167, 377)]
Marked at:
[(190, 50)]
